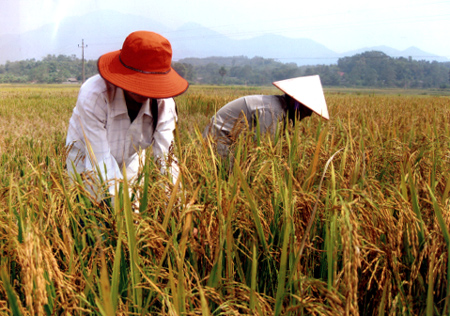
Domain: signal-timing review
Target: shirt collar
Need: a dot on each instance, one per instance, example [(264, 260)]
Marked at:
[(146, 108), (119, 105)]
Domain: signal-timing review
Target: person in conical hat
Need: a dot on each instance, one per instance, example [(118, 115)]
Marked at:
[(126, 108), (302, 97)]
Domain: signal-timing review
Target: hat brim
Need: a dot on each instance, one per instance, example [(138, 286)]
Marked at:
[(158, 86), (308, 91)]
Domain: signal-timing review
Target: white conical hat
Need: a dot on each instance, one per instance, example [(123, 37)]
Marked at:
[(306, 90)]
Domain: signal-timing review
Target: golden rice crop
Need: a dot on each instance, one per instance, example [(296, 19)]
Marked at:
[(278, 234)]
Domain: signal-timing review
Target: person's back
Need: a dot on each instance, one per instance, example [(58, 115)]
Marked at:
[(241, 114)]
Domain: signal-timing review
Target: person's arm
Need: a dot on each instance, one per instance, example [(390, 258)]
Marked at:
[(227, 124), (92, 109), (163, 145)]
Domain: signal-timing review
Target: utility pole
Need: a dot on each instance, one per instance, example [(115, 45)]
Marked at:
[(82, 58)]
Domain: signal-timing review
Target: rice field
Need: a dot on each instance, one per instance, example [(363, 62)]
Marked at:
[(346, 217)]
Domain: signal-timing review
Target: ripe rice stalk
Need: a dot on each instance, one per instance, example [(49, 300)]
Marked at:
[(430, 286), (257, 131), (351, 260), (383, 303), (88, 278), (415, 205), (203, 300), (104, 302), (61, 184), (215, 277), (131, 237), (173, 289), (143, 202), (344, 159), (293, 146), (403, 180), (230, 244), (18, 215), (301, 247), (51, 295), (445, 233), (180, 286), (286, 242), (16, 308), (398, 153), (446, 191), (253, 278), (170, 205), (313, 168), (116, 271), (331, 233), (188, 223), (355, 173), (308, 304), (350, 136), (254, 210)]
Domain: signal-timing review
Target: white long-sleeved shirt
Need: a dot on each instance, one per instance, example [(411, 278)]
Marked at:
[(270, 109), (106, 127)]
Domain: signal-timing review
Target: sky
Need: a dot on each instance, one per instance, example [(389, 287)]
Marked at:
[(339, 25)]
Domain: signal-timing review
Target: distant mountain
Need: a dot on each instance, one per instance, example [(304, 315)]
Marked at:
[(199, 42), (194, 40), (104, 31)]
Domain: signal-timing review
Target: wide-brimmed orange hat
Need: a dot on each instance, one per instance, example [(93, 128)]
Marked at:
[(143, 66)]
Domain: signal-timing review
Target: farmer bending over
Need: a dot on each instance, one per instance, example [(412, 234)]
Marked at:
[(303, 96), (125, 109)]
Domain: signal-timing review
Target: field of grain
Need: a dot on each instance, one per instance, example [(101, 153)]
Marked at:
[(346, 217)]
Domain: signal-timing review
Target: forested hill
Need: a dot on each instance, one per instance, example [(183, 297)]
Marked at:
[(368, 69)]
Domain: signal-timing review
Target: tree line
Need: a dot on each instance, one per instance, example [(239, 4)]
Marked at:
[(51, 69), (368, 69)]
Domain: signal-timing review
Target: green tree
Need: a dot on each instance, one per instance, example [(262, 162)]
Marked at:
[(222, 72)]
